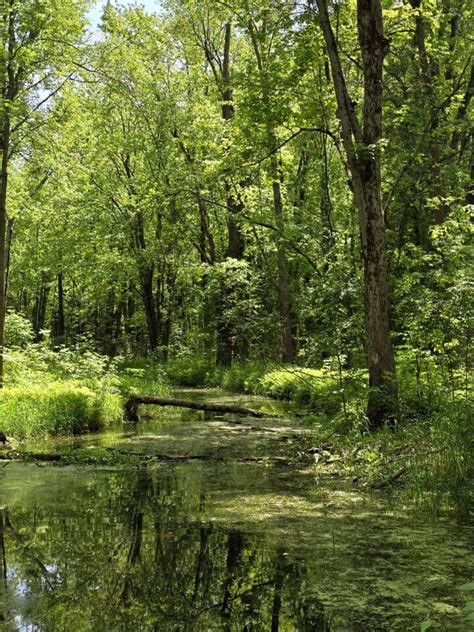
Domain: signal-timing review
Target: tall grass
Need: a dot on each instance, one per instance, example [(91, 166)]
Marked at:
[(56, 408), (69, 391), (47, 392)]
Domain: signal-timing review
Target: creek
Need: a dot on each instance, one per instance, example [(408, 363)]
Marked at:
[(226, 541)]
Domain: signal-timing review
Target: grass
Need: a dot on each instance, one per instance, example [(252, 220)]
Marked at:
[(74, 391), (69, 392), (321, 391), (193, 372), (57, 408)]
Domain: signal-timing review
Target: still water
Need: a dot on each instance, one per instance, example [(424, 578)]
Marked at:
[(218, 544)]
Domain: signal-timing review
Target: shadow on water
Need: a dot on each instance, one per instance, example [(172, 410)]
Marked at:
[(217, 545)]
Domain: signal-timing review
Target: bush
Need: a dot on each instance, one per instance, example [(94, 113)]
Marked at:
[(314, 388), (18, 331), (193, 372), (56, 408), (425, 384), (142, 378), (447, 467), (38, 363), (244, 377)]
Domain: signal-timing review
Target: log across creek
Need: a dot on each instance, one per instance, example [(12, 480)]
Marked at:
[(132, 404)]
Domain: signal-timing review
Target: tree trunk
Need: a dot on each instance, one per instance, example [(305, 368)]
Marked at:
[(287, 339), (59, 324), (235, 241), (146, 275), (131, 406), (9, 92), (284, 297), (146, 278), (39, 307), (3, 231), (363, 158), (8, 247)]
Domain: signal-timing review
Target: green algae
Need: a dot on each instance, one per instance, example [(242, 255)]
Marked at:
[(215, 544)]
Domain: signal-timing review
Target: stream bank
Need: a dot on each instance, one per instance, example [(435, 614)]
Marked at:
[(218, 542)]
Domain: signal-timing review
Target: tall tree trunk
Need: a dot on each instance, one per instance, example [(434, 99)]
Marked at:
[(9, 92), (363, 157), (146, 276), (8, 247), (146, 269), (235, 241), (3, 232), (235, 207), (39, 307)]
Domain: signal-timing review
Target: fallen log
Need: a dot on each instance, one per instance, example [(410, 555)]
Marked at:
[(132, 404)]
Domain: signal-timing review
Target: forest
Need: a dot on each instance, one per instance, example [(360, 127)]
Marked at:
[(236, 315)]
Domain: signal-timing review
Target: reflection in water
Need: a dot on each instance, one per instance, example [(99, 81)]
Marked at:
[(215, 547), (215, 544)]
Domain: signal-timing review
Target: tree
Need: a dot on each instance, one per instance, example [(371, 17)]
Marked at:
[(37, 42), (362, 145)]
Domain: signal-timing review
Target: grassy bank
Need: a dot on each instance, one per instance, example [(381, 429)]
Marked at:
[(430, 450), (318, 390), (67, 392)]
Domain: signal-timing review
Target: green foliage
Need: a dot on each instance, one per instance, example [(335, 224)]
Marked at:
[(468, 609), (447, 467), (56, 408), (142, 377), (317, 389), (426, 625), (69, 391), (18, 330), (245, 377), (193, 372), (37, 363)]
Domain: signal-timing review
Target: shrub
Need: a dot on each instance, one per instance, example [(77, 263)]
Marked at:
[(447, 467), (244, 377), (56, 408), (143, 378), (314, 388), (193, 372), (18, 330)]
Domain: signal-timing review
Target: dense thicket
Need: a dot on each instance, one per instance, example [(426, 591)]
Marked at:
[(238, 179)]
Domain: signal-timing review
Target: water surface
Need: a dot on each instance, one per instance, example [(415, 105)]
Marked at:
[(218, 544)]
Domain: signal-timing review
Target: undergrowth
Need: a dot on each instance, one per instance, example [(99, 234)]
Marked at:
[(68, 391), (56, 408)]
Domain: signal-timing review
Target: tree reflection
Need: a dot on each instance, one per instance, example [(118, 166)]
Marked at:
[(145, 549), (136, 556)]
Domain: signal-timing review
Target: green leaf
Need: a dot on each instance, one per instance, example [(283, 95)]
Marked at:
[(468, 586), (427, 623)]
